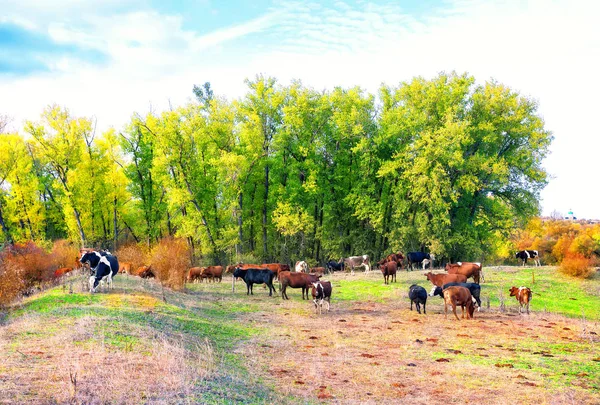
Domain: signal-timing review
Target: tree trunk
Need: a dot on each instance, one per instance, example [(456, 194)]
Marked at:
[(115, 229), (240, 245), (251, 236), (264, 216), (25, 211), (5, 230)]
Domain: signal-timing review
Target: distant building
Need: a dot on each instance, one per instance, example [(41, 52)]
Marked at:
[(570, 215)]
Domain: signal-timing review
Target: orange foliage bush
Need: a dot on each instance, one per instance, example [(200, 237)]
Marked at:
[(134, 254), (22, 266), (577, 265), (170, 260), (64, 253)]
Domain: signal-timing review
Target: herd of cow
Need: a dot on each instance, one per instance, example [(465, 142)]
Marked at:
[(452, 286)]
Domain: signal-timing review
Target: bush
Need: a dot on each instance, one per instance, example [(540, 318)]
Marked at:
[(64, 254), (11, 282), (576, 265), (134, 254), (170, 261)]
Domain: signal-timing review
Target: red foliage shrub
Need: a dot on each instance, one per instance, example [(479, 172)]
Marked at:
[(134, 254), (170, 261), (576, 265)]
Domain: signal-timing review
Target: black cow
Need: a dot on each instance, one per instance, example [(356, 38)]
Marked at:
[(103, 265), (417, 257), (256, 276), (474, 288), (418, 295), (529, 254), (334, 266)]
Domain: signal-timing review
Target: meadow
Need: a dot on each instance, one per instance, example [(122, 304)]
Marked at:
[(142, 344)]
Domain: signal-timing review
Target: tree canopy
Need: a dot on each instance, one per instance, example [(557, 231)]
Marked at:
[(287, 172)]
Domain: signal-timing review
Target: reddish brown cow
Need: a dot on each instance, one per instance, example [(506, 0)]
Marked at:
[(145, 272), (468, 269), (212, 273), (125, 268), (62, 271), (296, 280), (441, 279), (523, 295), (318, 270), (389, 271), (194, 274), (458, 296)]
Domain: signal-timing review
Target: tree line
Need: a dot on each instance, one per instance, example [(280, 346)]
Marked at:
[(287, 172)]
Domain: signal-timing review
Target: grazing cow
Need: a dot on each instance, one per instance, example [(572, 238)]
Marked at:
[(321, 291), (457, 295), (125, 268), (103, 266), (468, 269), (212, 273), (529, 254), (146, 272), (194, 274), (474, 289), (256, 276), (357, 261), (418, 295), (317, 270), (441, 279), (418, 257), (332, 266), (523, 295), (389, 271), (301, 267), (296, 280), (62, 271)]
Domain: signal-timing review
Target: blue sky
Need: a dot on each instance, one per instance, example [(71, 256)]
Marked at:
[(109, 59)]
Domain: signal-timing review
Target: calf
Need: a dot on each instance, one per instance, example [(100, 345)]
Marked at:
[(389, 271), (146, 272), (529, 254), (125, 268), (321, 291), (418, 295), (523, 295), (467, 269), (256, 276), (416, 258), (441, 279), (317, 270), (474, 289), (296, 280), (457, 295)]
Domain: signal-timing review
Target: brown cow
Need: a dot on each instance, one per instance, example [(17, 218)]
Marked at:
[(441, 278), (466, 268), (62, 271), (318, 270), (145, 272), (296, 280), (389, 271), (194, 274), (523, 295), (212, 273), (456, 295), (125, 268)]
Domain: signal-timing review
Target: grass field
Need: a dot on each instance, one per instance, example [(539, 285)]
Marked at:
[(210, 345)]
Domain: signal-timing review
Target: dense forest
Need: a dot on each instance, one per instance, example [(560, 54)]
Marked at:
[(287, 172)]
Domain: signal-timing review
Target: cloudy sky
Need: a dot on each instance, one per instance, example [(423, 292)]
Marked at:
[(111, 58)]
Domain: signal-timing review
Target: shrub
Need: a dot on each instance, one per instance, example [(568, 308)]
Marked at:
[(11, 282), (134, 254), (576, 265), (64, 254), (171, 260)]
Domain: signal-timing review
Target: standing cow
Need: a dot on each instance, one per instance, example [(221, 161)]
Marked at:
[(103, 265), (417, 258), (357, 261), (529, 254)]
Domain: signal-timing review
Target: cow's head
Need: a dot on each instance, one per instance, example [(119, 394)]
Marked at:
[(518, 255), (513, 291), (436, 291), (429, 276)]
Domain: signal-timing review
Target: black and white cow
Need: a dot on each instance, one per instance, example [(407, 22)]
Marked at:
[(103, 265), (418, 257), (529, 254), (357, 261)]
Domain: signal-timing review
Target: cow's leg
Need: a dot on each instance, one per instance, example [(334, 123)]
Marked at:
[(445, 309), (327, 301), (454, 310), (411, 302), (425, 303), (418, 306)]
